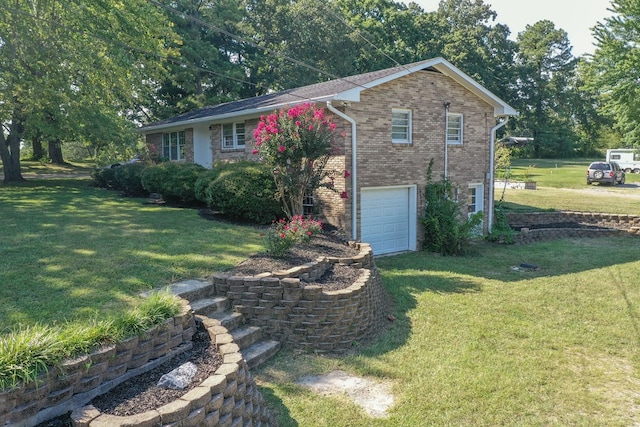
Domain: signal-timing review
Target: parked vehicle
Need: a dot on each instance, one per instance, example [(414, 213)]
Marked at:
[(605, 172), (627, 158)]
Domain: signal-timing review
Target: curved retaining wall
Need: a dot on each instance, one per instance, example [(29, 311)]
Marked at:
[(77, 381), (306, 316), (229, 397), (540, 226)]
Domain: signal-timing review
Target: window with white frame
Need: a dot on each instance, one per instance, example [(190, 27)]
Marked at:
[(233, 135), (173, 145), (454, 128), (401, 126)]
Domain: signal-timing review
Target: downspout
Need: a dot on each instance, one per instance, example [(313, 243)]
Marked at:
[(354, 175), (446, 139), (492, 154)]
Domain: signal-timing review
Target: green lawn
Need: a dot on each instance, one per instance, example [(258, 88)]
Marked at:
[(71, 252), (561, 185), (477, 343)]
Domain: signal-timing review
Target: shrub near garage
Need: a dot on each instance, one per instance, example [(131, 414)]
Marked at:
[(174, 181), (243, 190)]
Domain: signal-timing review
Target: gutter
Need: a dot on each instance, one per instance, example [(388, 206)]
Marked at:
[(354, 175), (491, 169)]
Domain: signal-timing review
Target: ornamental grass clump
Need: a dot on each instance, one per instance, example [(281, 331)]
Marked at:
[(283, 235)]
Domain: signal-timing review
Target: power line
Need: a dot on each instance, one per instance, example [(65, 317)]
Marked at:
[(250, 42)]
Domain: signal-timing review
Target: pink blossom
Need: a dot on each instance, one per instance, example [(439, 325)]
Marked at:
[(298, 122), (254, 152), (343, 134), (332, 126), (282, 148), (282, 236), (309, 233), (310, 127), (347, 174), (344, 195)]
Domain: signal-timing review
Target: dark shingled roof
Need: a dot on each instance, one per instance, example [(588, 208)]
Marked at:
[(318, 91)]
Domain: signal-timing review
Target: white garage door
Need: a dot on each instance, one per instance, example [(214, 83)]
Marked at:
[(388, 219)]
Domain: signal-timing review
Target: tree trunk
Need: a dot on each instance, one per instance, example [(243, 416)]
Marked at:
[(55, 152), (10, 151), (38, 149)]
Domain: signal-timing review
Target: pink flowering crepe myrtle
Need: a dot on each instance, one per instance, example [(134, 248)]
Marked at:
[(297, 143)]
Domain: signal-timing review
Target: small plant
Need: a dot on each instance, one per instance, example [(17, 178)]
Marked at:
[(447, 229), (284, 235), (500, 231)]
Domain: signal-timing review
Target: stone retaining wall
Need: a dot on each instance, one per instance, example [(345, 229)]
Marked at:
[(604, 220), (75, 382), (229, 397), (532, 225), (306, 316)]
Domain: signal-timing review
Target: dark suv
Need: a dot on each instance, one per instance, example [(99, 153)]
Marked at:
[(607, 172)]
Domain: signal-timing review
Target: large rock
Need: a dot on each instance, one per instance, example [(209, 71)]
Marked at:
[(180, 377)]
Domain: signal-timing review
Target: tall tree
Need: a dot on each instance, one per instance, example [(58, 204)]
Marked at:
[(208, 66), (616, 68), (300, 42), (470, 38), (546, 72), (62, 59)]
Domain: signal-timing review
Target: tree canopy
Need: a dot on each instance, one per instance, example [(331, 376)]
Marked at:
[(93, 71)]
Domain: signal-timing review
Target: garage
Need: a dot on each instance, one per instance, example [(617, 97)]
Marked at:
[(388, 218)]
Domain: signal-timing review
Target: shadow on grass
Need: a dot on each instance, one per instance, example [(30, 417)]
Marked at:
[(280, 415), (71, 251)]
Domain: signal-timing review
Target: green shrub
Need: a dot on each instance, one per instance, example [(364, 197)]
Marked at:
[(500, 231), (104, 178), (203, 181), (128, 179), (446, 228), (245, 191), (174, 181)]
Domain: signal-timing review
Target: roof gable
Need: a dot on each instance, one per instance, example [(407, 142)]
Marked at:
[(343, 89)]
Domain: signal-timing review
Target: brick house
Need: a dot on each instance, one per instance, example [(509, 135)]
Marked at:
[(394, 121)]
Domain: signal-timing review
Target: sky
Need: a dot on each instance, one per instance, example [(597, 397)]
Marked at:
[(576, 17)]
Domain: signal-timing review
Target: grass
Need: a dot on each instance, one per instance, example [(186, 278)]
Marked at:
[(68, 242), (562, 186), (477, 343), (34, 169)]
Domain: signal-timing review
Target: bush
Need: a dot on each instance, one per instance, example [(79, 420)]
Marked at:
[(104, 178), (446, 230), (284, 235), (174, 181), (129, 179), (243, 190)]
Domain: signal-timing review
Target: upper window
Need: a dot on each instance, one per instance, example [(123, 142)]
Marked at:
[(401, 126), (173, 145), (233, 135), (454, 128)]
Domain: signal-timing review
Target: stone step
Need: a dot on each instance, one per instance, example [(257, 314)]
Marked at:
[(229, 319), (193, 290), (210, 306), (259, 352), (247, 335)]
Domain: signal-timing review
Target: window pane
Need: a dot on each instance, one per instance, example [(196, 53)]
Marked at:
[(400, 126), (454, 128), (165, 145), (227, 135), (240, 134)]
